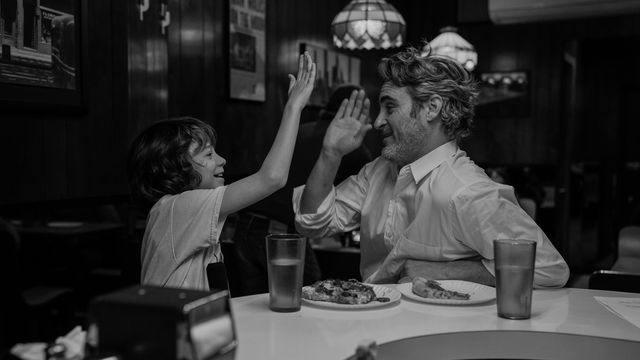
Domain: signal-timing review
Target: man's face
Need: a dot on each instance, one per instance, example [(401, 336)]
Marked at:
[(404, 137)]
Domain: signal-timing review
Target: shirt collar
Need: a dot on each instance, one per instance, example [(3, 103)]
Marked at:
[(424, 165)]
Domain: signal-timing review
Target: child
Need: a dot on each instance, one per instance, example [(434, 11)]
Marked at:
[(173, 163)]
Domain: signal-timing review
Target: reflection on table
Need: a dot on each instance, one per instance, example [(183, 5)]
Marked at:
[(68, 228), (320, 333)]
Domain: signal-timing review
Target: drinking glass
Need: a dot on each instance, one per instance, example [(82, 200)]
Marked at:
[(285, 265), (514, 264)]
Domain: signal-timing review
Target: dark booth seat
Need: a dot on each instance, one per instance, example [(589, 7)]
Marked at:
[(615, 281)]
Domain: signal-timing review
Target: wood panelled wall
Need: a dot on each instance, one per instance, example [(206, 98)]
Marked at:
[(57, 155), (539, 49)]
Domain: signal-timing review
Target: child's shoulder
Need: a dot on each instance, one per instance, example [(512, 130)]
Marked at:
[(189, 202), (191, 198)]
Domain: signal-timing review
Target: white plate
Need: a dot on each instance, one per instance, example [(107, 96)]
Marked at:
[(478, 293), (381, 291)]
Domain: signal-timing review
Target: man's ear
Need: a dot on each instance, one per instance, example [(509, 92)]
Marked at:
[(433, 106)]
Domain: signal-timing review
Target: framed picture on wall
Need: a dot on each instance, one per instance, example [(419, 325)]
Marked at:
[(40, 53), (332, 70), (354, 71), (247, 49)]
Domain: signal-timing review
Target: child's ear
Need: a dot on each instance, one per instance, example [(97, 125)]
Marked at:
[(433, 106)]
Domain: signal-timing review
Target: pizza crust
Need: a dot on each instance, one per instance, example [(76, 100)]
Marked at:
[(428, 288)]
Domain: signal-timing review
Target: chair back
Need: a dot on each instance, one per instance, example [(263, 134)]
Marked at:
[(11, 305), (629, 241), (217, 276), (615, 281), (628, 250)]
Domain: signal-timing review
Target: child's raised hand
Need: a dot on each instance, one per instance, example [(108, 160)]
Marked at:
[(300, 88)]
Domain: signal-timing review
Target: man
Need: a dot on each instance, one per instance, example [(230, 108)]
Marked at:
[(423, 207)]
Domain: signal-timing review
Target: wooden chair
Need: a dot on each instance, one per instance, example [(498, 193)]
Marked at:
[(615, 281)]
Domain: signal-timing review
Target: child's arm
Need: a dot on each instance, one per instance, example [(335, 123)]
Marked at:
[(275, 168)]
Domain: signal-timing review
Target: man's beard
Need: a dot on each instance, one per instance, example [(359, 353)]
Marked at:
[(406, 151)]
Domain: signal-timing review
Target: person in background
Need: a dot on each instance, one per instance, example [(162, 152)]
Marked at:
[(423, 207), (174, 164), (527, 194), (275, 213)]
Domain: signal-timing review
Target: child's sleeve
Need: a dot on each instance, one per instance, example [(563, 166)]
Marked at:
[(196, 220)]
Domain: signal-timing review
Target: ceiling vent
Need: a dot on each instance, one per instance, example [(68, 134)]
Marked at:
[(525, 11)]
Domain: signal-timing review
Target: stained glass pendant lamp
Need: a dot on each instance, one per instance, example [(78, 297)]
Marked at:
[(368, 24), (450, 44)]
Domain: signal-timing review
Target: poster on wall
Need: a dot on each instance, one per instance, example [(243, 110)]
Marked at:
[(247, 49), (342, 70), (321, 90), (354, 71)]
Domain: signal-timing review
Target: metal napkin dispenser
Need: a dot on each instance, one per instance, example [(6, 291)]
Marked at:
[(148, 322)]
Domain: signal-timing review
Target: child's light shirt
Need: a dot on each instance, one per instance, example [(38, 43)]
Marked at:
[(181, 239)]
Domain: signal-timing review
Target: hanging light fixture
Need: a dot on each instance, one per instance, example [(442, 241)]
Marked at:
[(368, 24), (452, 45)]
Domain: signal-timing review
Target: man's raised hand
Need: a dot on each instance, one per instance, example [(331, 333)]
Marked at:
[(350, 125)]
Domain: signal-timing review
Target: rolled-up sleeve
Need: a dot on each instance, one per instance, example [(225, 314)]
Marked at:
[(484, 212), (339, 211), (313, 224)]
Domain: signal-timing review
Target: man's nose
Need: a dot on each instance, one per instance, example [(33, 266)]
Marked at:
[(380, 121)]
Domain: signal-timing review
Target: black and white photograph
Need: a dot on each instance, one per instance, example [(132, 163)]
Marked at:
[(319, 179), (38, 43), (247, 50)]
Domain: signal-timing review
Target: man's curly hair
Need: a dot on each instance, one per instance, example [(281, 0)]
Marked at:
[(159, 161), (426, 75)]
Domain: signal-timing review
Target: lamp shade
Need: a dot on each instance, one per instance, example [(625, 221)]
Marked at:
[(452, 45), (368, 24)]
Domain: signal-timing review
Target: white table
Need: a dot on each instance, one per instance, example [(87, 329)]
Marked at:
[(457, 331)]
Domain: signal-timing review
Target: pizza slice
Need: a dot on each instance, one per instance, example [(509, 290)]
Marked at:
[(428, 288), (338, 291)]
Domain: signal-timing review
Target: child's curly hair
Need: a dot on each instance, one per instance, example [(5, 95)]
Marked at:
[(426, 75), (159, 161)]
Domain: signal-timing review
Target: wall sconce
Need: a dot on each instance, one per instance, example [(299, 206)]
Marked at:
[(143, 6), (165, 17)]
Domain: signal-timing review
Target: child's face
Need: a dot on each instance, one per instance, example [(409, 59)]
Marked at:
[(209, 165)]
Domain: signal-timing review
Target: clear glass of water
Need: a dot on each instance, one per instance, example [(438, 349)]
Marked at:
[(285, 265), (514, 265)]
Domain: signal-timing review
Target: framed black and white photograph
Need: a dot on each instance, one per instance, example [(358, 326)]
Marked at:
[(40, 52), (247, 49)]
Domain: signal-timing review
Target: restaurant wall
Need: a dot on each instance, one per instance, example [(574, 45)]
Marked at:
[(537, 137), (57, 155)]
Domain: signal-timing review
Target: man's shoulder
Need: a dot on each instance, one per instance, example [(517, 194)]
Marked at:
[(465, 170), (460, 175)]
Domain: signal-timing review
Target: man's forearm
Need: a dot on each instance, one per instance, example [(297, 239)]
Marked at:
[(469, 270), (320, 181)]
